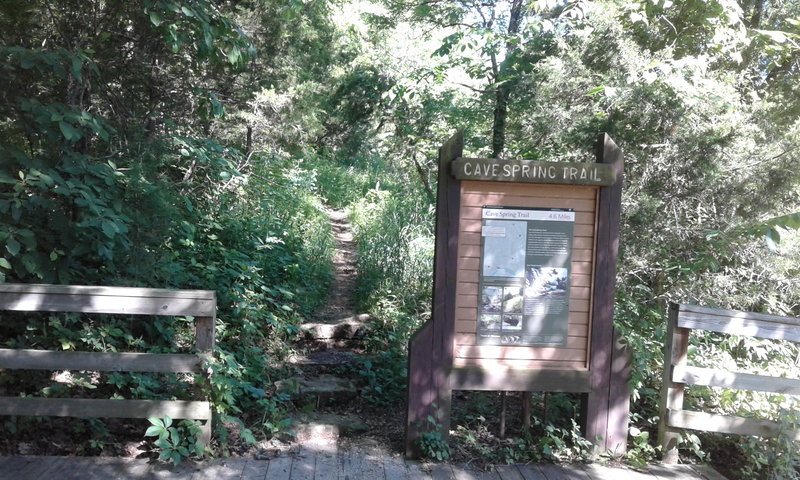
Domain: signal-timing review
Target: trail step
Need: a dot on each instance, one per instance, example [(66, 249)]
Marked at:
[(323, 389), (347, 328), (326, 427), (325, 358)]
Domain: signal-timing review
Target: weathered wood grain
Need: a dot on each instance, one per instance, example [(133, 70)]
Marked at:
[(745, 381), (746, 326), (567, 472), (98, 361), (304, 464), (539, 380), (89, 407), (327, 465), (509, 472), (222, 469), (532, 171), (506, 364), (442, 471), (707, 472), (434, 353), (255, 470), (461, 472), (531, 471), (113, 300), (280, 468), (601, 424), (394, 468), (725, 424), (671, 398), (544, 190), (43, 470), (521, 353)]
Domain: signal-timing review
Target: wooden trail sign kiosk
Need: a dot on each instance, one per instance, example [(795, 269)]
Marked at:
[(524, 280)]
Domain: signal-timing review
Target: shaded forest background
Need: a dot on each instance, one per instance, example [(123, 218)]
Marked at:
[(197, 144)]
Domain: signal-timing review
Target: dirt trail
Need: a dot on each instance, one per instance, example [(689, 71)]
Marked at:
[(340, 302)]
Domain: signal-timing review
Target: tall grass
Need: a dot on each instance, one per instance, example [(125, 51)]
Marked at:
[(394, 231)]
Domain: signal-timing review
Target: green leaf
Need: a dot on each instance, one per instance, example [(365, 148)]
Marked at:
[(162, 442), (153, 431), (110, 228), (12, 245), (234, 55), (69, 132), (595, 90), (4, 263), (155, 18)]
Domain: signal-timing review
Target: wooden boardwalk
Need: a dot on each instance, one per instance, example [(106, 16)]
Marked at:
[(353, 464)]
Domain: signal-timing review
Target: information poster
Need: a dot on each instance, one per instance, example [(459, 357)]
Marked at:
[(524, 276)]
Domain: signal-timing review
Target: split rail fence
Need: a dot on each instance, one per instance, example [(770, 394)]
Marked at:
[(677, 373), (200, 304)]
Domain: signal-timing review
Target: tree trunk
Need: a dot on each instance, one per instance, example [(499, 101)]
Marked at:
[(503, 91)]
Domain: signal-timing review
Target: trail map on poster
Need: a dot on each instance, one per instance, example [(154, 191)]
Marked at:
[(524, 277)]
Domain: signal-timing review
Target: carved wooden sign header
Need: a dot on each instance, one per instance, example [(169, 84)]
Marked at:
[(531, 171)]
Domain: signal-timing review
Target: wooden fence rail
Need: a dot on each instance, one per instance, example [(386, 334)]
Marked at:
[(677, 374), (200, 304)]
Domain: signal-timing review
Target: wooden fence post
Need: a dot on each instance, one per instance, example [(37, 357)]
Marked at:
[(675, 353), (431, 348), (603, 400), (204, 344)]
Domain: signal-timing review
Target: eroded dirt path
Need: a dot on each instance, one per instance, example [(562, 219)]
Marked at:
[(340, 303)]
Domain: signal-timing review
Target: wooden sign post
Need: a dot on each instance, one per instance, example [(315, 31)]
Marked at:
[(524, 280)]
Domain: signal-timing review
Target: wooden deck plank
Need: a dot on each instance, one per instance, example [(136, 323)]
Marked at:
[(304, 464), (708, 473), (41, 468), (531, 472), (222, 469), (351, 464), (327, 466), (563, 472), (675, 472), (664, 472), (9, 466), (509, 472), (442, 471), (255, 470), (280, 468), (638, 475), (415, 471), (461, 472), (372, 465), (113, 468), (184, 471), (394, 468), (597, 472), (361, 462)]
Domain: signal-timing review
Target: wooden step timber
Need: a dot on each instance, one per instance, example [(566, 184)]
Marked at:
[(709, 422), (744, 381)]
